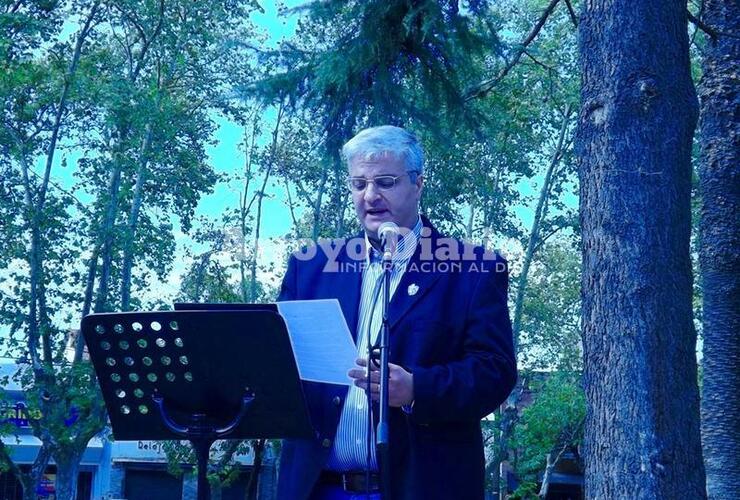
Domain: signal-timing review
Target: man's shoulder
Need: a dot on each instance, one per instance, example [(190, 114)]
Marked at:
[(442, 247)]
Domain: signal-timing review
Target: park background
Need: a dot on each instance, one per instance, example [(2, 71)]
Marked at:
[(161, 151)]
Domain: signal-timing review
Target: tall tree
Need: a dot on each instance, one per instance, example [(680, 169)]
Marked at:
[(535, 237), (133, 97), (356, 64), (638, 113), (720, 248), (38, 90)]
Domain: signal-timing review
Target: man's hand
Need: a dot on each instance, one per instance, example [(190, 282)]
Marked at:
[(400, 382)]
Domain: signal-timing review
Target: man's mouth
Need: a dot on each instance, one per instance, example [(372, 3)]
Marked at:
[(376, 211)]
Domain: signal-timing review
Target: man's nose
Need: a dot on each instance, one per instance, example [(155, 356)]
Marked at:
[(371, 192)]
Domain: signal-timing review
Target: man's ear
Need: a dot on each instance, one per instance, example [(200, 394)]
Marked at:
[(419, 186)]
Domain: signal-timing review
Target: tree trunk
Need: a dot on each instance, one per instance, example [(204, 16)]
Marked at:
[(107, 232), (92, 267), (720, 250), (491, 208), (102, 302), (532, 244), (36, 206), (549, 466), (469, 223), (634, 139), (551, 461), (258, 445), (291, 209), (260, 196), (133, 218), (540, 213), (317, 203), (256, 243), (31, 479), (217, 489), (68, 468)]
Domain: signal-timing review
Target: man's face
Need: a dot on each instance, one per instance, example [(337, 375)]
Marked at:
[(375, 206)]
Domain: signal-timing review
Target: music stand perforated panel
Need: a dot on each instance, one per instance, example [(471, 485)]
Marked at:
[(199, 362)]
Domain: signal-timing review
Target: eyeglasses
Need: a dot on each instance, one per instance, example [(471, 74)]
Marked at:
[(382, 182)]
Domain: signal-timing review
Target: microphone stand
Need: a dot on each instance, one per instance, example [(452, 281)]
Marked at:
[(382, 436)]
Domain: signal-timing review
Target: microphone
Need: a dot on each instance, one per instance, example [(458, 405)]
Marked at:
[(389, 234)]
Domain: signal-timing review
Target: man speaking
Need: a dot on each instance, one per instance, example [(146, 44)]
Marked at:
[(451, 354)]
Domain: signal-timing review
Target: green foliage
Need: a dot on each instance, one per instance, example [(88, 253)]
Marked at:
[(363, 59), (354, 64), (223, 469), (551, 322), (552, 424), (76, 410), (208, 281), (141, 113), (132, 90)]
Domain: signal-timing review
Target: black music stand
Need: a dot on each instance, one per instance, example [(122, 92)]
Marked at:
[(197, 375)]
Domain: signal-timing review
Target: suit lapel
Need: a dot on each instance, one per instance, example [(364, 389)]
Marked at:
[(415, 283), (347, 286)]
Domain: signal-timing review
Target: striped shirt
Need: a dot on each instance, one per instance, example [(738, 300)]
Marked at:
[(350, 445)]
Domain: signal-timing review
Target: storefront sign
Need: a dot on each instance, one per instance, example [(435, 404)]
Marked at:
[(17, 414)]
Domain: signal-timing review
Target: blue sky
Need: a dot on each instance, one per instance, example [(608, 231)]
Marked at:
[(227, 156)]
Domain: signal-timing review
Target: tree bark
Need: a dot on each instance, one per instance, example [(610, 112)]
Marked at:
[(720, 249), (258, 445), (68, 468), (550, 461), (30, 479), (107, 240), (217, 489), (260, 196), (634, 140), (133, 218)]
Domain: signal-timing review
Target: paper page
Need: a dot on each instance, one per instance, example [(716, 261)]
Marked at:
[(322, 344)]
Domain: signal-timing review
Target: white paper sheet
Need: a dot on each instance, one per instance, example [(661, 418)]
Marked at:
[(322, 344)]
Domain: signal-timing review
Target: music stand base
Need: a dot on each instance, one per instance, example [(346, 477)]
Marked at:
[(202, 435)]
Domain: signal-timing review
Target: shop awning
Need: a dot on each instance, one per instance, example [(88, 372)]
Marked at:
[(25, 447)]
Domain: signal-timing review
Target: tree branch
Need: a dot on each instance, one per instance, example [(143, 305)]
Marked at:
[(148, 42), (572, 13), (486, 86), (69, 75), (15, 7), (7, 460), (538, 63), (227, 452), (543, 239), (713, 34)]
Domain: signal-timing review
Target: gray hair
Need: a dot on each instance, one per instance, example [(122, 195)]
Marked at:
[(374, 142)]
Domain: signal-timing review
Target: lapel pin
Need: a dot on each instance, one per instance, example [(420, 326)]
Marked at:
[(413, 288)]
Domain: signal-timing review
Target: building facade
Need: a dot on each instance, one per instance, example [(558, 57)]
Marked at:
[(132, 470)]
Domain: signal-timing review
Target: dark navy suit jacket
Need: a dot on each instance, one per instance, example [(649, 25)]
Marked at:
[(453, 334)]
